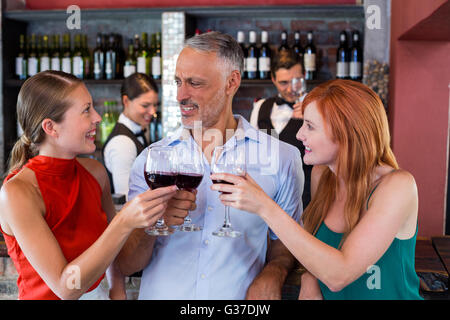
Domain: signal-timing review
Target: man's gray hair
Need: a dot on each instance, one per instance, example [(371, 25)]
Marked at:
[(224, 45)]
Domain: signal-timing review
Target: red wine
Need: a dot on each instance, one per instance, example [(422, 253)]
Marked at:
[(161, 179), (189, 180), (224, 182)]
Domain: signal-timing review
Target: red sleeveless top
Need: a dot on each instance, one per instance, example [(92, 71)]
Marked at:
[(74, 214)]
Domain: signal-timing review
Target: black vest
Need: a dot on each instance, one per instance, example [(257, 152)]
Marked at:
[(287, 135), (120, 129)]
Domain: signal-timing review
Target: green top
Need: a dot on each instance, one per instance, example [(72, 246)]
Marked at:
[(393, 277)]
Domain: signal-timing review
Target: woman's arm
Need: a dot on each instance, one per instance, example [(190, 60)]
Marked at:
[(392, 204)]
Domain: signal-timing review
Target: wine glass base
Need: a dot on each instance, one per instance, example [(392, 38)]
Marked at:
[(227, 233), (159, 232), (190, 228)]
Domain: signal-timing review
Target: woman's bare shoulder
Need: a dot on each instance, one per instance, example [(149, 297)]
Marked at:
[(95, 168)]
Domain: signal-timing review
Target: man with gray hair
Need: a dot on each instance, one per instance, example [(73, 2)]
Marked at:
[(199, 265)]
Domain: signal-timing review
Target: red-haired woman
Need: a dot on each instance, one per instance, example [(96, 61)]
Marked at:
[(359, 231)]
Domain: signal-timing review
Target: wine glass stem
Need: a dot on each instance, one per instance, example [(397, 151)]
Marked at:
[(227, 222), (187, 219)]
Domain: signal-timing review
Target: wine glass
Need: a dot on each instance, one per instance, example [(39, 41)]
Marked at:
[(190, 175), (160, 171), (298, 88), (227, 161)]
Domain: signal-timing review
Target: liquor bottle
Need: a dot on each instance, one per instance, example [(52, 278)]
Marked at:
[(297, 47), (252, 57), (99, 59), (143, 57), (77, 60), (130, 64), (120, 55), (309, 58), (55, 63), (264, 57), (66, 60), (44, 57), (156, 59), (284, 42), (21, 60), (110, 59), (136, 46), (355, 58), (33, 58), (86, 57), (107, 124), (156, 127), (241, 41), (342, 57)]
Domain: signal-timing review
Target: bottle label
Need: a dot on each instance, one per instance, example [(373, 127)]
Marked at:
[(78, 66), (97, 68), (342, 69), (264, 64), (32, 66), (56, 64), (156, 66), (19, 66), (355, 69), (142, 65), (66, 65), (310, 61), (108, 67), (252, 64), (129, 70), (45, 63), (245, 65)]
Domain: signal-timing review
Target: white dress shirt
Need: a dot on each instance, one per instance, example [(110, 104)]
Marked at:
[(119, 155)]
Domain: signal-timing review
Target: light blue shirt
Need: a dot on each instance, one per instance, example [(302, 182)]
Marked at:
[(199, 265)]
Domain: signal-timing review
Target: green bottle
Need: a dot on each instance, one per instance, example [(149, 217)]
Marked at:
[(143, 57), (21, 60), (66, 61), (156, 59), (86, 57), (56, 54), (33, 57), (44, 57), (130, 64), (77, 59)]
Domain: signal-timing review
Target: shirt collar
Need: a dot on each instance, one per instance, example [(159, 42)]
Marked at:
[(130, 124)]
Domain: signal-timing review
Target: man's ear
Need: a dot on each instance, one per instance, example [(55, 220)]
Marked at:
[(233, 82), (49, 127)]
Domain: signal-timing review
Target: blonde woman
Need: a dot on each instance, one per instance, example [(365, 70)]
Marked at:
[(359, 231)]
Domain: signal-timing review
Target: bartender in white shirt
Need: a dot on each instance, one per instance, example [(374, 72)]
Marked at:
[(280, 113), (140, 102)]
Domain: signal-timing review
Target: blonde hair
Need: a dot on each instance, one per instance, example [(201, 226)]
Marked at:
[(43, 96), (356, 120)]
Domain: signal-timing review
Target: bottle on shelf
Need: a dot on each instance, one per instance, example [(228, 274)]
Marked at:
[(252, 57), (264, 57), (284, 42), (33, 57), (110, 59), (241, 41), (77, 59), (55, 63), (108, 122), (21, 59), (156, 127), (44, 56), (130, 63), (309, 58), (136, 46), (356, 58), (342, 57), (143, 58), (120, 55), (86, 57), (66, 61), (297, 47), (99, 59), (156, 58)]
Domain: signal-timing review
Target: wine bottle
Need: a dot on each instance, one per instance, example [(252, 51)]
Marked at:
[(156, 59), (120, 55), (33, 58), (86, 57), (252, 57), (110, 59), (342, 57), (355, 58), (297, 47), (77, 60), (283, 44), (143, 58), (130, 64), (99, 59), (21, 59), (241, 41), (55, 63), (264, 57), (309, 58), (67, 54), (44, 56)]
